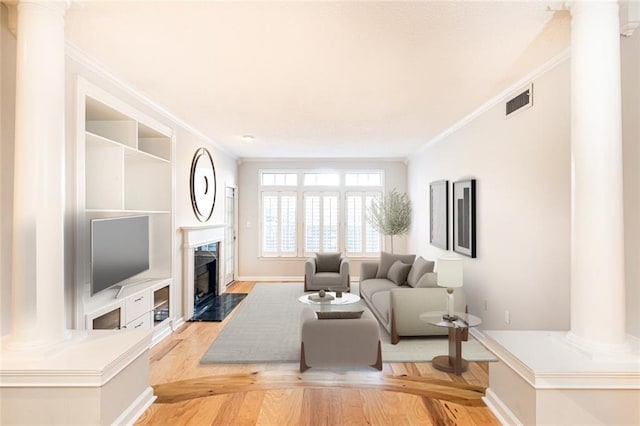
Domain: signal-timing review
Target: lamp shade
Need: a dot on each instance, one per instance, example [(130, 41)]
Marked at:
[(449, 273)]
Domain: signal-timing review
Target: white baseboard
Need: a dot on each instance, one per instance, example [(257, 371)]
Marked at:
[(137, 408), (499, 409), (271, 279), (178, 323)]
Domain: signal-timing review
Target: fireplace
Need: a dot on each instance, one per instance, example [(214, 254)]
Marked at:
[(205, 278), (208, 243)]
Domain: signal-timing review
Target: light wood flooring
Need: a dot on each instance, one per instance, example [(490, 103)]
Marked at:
[(278, 394)]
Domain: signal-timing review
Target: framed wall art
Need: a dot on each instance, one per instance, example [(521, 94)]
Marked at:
[(439, 214), (464, 217)]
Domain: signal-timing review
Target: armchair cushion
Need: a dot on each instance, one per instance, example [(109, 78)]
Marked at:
[(328, 262), (387, 259), (419, 268), (398, 272)]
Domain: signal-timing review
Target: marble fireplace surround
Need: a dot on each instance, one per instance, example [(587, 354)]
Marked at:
[(192, 237)]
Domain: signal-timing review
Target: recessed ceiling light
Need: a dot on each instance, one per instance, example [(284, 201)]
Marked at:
[(248, 138)]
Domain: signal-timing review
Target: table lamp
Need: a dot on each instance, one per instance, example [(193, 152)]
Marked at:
[(449, 276)]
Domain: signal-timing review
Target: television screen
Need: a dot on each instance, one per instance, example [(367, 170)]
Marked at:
[(119, 250)]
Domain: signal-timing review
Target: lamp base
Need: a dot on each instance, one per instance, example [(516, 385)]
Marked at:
[(451, 318)]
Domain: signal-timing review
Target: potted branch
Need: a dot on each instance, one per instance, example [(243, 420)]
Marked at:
[(391, 215)]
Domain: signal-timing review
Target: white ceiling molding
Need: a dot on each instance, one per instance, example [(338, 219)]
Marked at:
[(499, 98), (79, 56)]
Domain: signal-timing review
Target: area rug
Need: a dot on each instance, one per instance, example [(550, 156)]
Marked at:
[(266, 329)]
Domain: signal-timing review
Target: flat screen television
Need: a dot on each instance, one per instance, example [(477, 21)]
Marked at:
[(119, 250)]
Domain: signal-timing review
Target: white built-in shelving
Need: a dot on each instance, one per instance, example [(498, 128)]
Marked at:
[(125, 167)]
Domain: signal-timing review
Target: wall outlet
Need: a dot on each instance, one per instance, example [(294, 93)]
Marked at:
[(486, 305), (507, 317)]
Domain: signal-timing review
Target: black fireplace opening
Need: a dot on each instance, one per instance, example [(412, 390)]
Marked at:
[(208, 305)]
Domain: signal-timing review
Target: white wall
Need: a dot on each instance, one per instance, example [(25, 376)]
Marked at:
[(630, 52), (250, 263), (7, 125), (187, 142), (521, 165)]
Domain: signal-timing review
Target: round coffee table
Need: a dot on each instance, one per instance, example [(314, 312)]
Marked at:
[(452, 363), (313, 299)]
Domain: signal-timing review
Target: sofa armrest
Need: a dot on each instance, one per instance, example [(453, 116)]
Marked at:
[(344, 268), (310, 268), (407, 304), (368, 270)]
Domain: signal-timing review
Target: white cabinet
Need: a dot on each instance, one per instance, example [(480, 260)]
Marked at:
[(124, 167), (137, 306)]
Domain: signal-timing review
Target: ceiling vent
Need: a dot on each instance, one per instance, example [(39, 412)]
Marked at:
[(520, 102)]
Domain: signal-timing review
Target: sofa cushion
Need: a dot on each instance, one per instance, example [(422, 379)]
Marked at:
[(381, 302), (327, 262), (398, 272), (419, 268), (370, 287), (428, 280), (388, 259)]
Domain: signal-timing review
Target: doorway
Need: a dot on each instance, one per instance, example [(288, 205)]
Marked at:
[(230, 236)]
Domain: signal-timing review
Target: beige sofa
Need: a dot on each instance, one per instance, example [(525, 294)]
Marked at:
[(398, 306)]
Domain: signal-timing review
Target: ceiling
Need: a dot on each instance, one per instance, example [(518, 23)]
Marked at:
[(319, 79)]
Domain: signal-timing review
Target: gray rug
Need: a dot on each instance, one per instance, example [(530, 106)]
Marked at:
[(266, 328)]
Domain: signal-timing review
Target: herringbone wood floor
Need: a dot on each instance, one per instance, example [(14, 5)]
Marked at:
[(277, 394)]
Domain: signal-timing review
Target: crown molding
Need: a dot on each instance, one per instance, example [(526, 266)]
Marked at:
[(77, 55), (499, 98)]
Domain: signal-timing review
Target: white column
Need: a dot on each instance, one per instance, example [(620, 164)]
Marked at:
[(597, 234), (38, 318)]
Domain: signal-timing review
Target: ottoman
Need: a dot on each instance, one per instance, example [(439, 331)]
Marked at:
[(339, 342)]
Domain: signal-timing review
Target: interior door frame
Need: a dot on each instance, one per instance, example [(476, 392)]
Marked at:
[(235, 231)]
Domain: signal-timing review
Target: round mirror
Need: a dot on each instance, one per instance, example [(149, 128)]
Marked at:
[(203, 184)]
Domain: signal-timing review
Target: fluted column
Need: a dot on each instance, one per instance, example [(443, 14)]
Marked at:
[(38, 318), (597, 234)]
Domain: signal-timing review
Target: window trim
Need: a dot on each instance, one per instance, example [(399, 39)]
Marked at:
[(299, 192)]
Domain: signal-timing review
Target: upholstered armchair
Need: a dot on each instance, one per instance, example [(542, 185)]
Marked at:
[(326, 270)]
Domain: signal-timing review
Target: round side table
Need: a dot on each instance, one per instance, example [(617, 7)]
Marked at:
[(452, 363)]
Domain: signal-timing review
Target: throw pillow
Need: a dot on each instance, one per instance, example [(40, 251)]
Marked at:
[(398, 272), (327, 262), (339, 314), (419, 268), (387, 259), (430, 279)]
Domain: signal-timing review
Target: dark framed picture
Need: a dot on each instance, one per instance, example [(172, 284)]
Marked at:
[(439, 214), (464, 217)]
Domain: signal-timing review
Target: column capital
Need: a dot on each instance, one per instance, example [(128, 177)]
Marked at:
[(13, 7)]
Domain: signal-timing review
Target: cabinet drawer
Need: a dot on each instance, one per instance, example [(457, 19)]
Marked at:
[(142, 323), (137, 305)]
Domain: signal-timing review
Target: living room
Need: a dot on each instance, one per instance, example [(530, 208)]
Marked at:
[(521, 277)]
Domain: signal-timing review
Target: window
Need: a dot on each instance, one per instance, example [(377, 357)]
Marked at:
[(320, 222), (308, 211), (278, 179), (361, 238), (279, 234), (321, 179), (363, 179)]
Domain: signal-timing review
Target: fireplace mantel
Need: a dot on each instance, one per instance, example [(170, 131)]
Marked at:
[(192, 237)]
